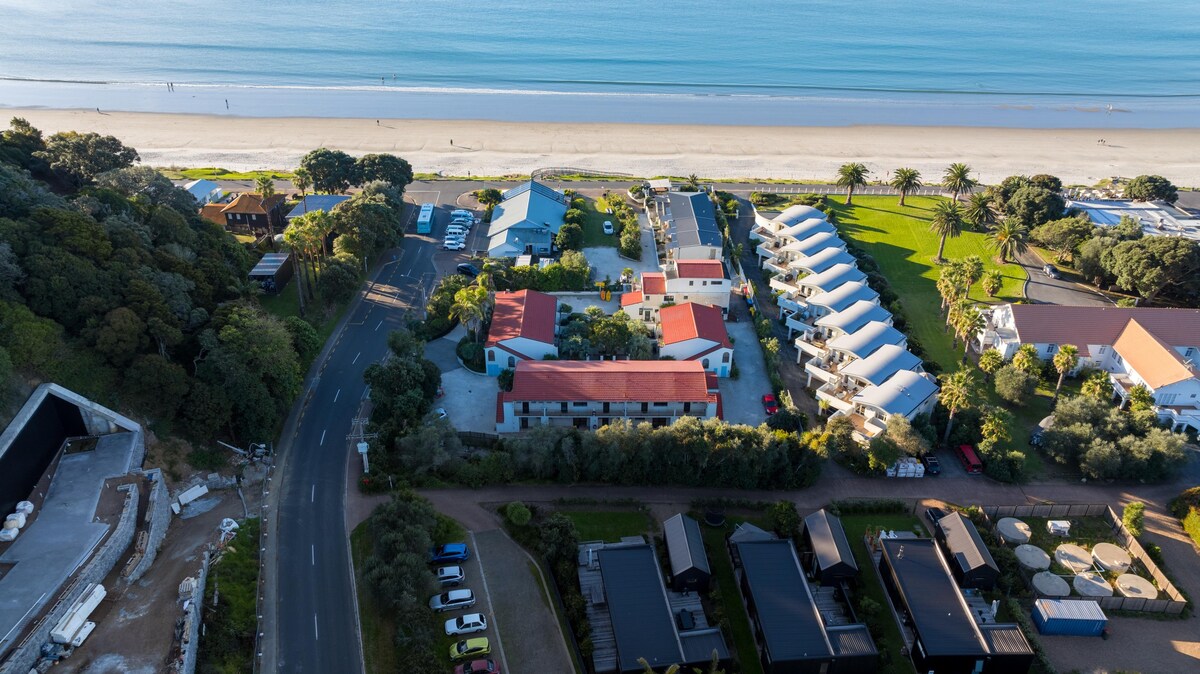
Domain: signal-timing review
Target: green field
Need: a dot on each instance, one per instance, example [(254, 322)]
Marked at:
[(608, 525), (900, 241), (210, 173), (593, 224)]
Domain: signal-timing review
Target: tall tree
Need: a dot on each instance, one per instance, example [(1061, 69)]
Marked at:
[(1026, 359), (1010, 239), (332, 171), (957, 179), (1151, 188), (970, 322), (301, 180), (851, 176), (80, 157), (947, 222), (990, 361), (1152, 264), (1064, 361), (993, 281), (489, 196), (979, 210), (957, 394), (385, 167), (295, 238), (905, 180), (470, 308)]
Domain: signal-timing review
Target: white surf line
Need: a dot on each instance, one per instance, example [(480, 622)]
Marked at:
[(314, 554), (356, 358), (335, 395), (322, 438)]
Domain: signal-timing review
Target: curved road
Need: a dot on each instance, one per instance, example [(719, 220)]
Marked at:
[(310, 621)]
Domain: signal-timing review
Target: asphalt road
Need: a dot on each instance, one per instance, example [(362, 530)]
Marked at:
[(1042, 289), (311, 619)]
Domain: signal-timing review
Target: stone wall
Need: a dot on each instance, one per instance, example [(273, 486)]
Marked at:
[(191, 644), (27, 653), (158, 518)]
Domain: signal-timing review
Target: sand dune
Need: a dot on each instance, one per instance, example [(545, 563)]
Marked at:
[(500, 148)]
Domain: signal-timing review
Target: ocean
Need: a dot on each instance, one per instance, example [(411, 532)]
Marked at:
[(1103, 63)]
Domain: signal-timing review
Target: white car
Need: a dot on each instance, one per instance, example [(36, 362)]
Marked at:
[(456, 232), (450, 576), (466, 624), (454, 244), (452, 600), (440, 413), (608, 228)]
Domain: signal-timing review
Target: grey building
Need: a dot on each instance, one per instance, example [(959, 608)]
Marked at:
[(832, 563), (690, 571), (970, 560), (526, 221), (691, 227)]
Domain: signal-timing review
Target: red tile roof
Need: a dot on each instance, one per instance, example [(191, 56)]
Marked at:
[(524, 313), (654, 283), (630, 298), (690, 321), (609, 381), (213, 213), (1053, 324), (1154, 361), (253, 204), (700, 269)]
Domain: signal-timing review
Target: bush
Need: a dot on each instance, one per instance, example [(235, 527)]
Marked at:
[(574, 216), (1191, 524), (471, 353), (518, 513), (570, 237), (505, 380), (1014, 385), (784, 518), (1134, 517)]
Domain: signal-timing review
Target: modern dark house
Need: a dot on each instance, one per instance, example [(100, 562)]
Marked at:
[(792, 635), (947, 639), (272, 272), (634, 616), (685, 548), (832, 562), (691, 227), (252, 214), (970, 561)]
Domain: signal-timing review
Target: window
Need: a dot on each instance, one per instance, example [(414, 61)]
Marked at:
[(691, 283), (491, 356), (1050, 348), (687, 407), (606, 409), (704, 364), (525, 407), (1103, 350), (563, 408), (1191, 351), (512, 362), (668, 298), (645, 407), (660, 404), (704, 283), (579, 404), (725, 357)]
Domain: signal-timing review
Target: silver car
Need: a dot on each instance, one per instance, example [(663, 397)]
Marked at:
[(450, 576), (452, 600)]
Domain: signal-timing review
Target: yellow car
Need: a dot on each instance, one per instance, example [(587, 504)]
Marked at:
[(470, 648)]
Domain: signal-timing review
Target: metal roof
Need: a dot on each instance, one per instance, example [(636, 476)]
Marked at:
[(815, 244), (685, 545), (821, 260), (791, 627), (844, 295), (850, 640), (269, 264), (1004, 639), (530, 205), (901, 394), (867, 339), (793, 214), (879, 366), (833, 277), (1069, 609), (855, 316), (641, 618), (693, 221), (964, 543), (746, 532), (806, 228), (317, 202), (828, 540), (932, 599)]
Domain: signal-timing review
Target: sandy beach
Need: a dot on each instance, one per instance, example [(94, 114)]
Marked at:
[(493, 148)]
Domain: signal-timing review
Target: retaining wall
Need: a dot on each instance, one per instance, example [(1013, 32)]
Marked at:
[(26, 655), (191, 645), (158, 518)]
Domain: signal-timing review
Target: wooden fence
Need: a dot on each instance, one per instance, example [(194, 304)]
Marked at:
[(1175, 601)]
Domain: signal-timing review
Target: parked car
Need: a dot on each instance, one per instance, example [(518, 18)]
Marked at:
[(1044, 425), (770, 404), (455, 230), (450, 552), (934, 514), (478, 667), (450, 576), (468, 270), (470, 648), (453, 244), (608, 227), (466, 624), (969, 459), (462, 220), (440, 413), (452, 600), (932, 465), (1051, 271), (461, 213)]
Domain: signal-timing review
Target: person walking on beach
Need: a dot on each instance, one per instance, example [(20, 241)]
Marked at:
[(226, 103)]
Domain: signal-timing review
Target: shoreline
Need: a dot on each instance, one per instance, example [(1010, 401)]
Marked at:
[(488, 147)]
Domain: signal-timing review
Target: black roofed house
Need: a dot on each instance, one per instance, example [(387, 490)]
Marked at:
[(832, 561), (685, 548), (691, 227), (792, 635), (946, 637), (969, 558)]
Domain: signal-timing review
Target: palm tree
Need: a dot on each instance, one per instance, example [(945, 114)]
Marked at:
[(1064, 361), (265, 186), (970, 322), (1010, 239), (851, 176), (947, 222), (958, 179), (957, 394), (979, 210), (693, 183), (990, 361), (294, 237), (468, 307), (972, 269), (1097, 386), (992, 282), (905, 180), (301, 180), (1026, 359), (647, 669)]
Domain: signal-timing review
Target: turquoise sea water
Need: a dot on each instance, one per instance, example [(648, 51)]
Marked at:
[(1022, 62)]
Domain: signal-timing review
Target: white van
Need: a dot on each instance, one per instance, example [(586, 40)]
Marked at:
[(456, 230), (460, 213)]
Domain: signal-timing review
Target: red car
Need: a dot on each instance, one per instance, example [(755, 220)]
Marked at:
[(770, 404), (478, 667)]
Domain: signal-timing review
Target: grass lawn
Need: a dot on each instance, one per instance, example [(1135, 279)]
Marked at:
[(211, 173), (608, 525), (856, 526), (731, 598), (593, 223), (900, 241)]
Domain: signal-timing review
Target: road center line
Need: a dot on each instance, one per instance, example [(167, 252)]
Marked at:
[(335, 395), (312, 498), (377, 326), (322, 438), (314, 554), (316, 634), (356, 358)]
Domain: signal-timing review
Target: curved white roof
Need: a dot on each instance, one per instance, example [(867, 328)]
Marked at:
[(806, 229), (855, 316), (822, 260), (867, 339), (843, 296), (793, 214), (902, 394), (833, 277), (885, 362), (815, 244)]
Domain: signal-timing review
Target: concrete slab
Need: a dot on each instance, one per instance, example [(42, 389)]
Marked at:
[(741, 398), (581, 301), (64, 534), (470, 400)]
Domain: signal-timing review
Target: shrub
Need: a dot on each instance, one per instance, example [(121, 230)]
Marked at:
[(505, 380), (784, 518), (573, 216), (1014, 385), (1191, 524), (518, 513), (1134, 517), (471, 353)]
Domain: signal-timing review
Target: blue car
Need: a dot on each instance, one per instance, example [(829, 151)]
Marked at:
[(450, 552)]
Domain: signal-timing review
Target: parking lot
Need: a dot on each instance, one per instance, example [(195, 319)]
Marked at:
[(741, 398), (476, 580)]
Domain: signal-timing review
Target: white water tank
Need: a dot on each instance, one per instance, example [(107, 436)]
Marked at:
[(83, 633), (8, 535)]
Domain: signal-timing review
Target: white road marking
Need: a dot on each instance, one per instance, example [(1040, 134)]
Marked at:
[(356, 358), (316, 634), (314, 554), (322, 438), (312, 498), (487, 593), (335, 395), (366, 393), (378, 326)]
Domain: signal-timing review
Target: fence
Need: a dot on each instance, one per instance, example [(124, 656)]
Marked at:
[(1175, 602)]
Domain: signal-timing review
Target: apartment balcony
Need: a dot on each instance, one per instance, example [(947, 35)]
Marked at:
[(795, 324), (819, 370), (836, 396), (865, 429), (1180, 417), (768, 248), (775, 265), (790, 306), (792, 287), (760, 232), (808, 344)]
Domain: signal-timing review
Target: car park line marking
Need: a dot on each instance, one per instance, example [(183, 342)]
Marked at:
[(356, 358), (335, 395), (322, 438), (488, 593), (314, 554)]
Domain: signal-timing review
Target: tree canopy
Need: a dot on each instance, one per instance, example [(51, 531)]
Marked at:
[(1151, 188), (331, 171)]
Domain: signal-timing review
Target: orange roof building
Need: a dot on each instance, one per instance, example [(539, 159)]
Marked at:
[(699, 281), (697, 332), (523, 328), (252, 214)]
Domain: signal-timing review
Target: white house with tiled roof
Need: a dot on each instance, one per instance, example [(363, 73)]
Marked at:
[(697, 332), (699, 281), (1152, 347), (523, 328)]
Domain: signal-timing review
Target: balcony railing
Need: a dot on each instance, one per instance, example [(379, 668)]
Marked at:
[(837, 397)]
